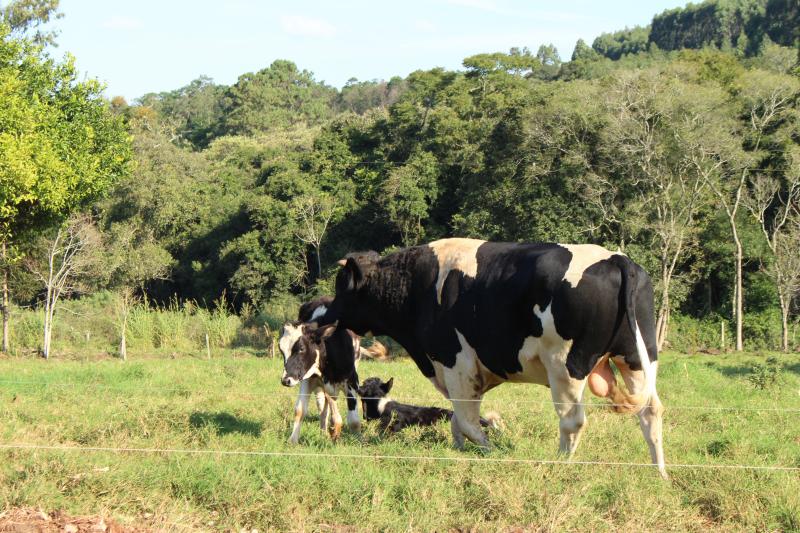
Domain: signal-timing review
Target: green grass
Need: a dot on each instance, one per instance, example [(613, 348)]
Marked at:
[(238, 404)]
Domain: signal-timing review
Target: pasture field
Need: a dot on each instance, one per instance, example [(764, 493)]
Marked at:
[(237, 404)]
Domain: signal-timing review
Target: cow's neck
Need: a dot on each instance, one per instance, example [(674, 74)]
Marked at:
[(389, 309)]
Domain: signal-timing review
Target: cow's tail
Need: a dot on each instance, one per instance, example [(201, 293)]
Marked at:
[(623, 401)]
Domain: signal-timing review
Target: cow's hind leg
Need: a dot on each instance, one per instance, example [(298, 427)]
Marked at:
[(300, 409), (650, 420)]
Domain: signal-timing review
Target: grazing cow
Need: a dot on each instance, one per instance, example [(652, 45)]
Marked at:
[(376, 404), (322, 358), (474, 314)]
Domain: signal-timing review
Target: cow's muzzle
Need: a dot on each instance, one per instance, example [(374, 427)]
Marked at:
[(287, 381)]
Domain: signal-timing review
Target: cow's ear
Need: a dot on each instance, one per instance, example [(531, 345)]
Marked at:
[(386, 387), (320, 334), (350, 277)]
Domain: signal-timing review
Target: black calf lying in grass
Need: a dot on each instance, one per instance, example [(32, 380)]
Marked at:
[(376, 404)]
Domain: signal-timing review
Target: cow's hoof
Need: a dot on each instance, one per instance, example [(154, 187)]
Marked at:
[(664, 474)]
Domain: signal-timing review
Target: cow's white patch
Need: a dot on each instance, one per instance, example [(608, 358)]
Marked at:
[(291, 381), (583, 256), (382, 404), (291, 333), (455, 254), (539, 353), (318, 312), (314, 369)]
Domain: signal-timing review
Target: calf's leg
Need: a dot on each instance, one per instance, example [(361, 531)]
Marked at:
[(335, 416), (320, 398), (300, 409), (353, 420)]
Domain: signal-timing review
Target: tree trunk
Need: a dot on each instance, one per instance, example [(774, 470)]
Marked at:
[(6, 306), (48, 325), (739, 288), (319, 263), (123, 348), (784, 323)]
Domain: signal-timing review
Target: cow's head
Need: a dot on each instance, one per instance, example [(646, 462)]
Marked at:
[(349, 306), (372, 391), (303, 348)]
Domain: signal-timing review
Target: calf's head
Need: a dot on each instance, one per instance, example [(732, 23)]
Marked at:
[(372, 392), (303, 348)]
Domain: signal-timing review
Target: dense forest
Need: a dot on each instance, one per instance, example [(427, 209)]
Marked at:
[(678, 143)]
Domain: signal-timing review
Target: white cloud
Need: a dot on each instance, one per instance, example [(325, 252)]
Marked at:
[(118, 22), (307, 27), (485, 5), (424, 25)]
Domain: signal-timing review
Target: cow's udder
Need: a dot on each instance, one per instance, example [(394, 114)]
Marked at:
[(601, 378)]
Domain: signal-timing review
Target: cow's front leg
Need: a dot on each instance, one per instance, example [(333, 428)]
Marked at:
[(300, 409), (466, 421)]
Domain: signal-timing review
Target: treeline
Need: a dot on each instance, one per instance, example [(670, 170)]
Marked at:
[(742, 26), (689, 161)]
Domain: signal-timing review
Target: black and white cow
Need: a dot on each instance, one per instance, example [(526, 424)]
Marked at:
[(321, 358), (394, 416), (474, 314)]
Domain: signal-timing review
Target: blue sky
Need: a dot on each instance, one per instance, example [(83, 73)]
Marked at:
[(147, 45)]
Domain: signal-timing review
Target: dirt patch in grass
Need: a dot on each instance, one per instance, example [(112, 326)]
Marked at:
[(27, 520)]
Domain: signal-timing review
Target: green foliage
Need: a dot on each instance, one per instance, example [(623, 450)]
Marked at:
[(60, 146), (765, 375), (274, 98), (25, 18), (623, 42)]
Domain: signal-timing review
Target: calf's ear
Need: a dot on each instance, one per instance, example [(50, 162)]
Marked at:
[(386, 387), (320, 334)]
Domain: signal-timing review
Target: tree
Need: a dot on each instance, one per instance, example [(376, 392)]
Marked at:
[(60, 146), (314, 212), (781, 230), (26, 16), (409, 192), (275, 98), (70, 254), (130, 258), (766, 99), (652, 121)]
